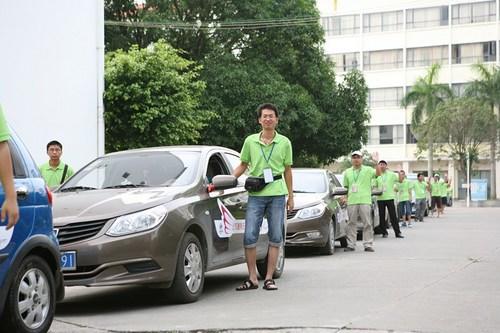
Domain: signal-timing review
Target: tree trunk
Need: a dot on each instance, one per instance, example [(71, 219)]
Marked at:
[(430, 157)]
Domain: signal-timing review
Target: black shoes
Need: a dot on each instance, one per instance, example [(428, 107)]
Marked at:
[(385, 235), (369, 249), (400, 236), (348, 249)]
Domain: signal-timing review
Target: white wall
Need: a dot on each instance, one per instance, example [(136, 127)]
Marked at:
[(51, 75)]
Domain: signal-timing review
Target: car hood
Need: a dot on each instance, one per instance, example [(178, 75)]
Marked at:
[(302, 200), (70, 207)]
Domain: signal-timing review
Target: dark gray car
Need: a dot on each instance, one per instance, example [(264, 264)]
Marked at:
[(320, 216), (156, 216)]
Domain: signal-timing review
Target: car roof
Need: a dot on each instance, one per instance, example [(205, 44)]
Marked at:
[(194, 148)]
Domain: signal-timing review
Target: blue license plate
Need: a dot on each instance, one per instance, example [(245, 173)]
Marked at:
[(68, 261)]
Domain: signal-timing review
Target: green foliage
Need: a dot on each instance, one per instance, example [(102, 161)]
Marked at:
[(460, 127), (152, 98), (243, 68)]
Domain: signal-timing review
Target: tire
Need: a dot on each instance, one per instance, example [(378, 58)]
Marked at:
[(329, 247), (343, 241), (33, 288), (190, 271), (280, 265)]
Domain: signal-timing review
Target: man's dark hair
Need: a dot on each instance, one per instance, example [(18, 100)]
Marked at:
[(267, 106), (419, 174), (54, 143)]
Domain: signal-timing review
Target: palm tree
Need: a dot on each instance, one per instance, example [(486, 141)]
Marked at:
[(426, 94), (487, 88)]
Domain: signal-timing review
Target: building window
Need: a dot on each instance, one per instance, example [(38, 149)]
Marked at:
[(474, 12), (385, 97), (341, 25), (385, 134), (472, 53), (426, 56), (426, 17), (386, 21), (459, 88), (385, 59), (345, 61), (410, 138)]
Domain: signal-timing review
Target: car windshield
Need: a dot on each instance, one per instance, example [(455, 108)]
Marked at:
[(309, 182), (141, 169)]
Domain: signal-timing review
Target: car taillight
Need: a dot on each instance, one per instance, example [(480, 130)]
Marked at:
[(49, 195)]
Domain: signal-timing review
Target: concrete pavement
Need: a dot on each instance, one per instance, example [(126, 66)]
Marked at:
[(443, 277)]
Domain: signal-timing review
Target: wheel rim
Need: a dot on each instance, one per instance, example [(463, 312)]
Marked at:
[(193, 267), (33, 298), (332, 237)]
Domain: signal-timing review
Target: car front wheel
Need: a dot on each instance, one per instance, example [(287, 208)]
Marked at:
[(280, 264), (329, 247), (31, 299), (190, 271)]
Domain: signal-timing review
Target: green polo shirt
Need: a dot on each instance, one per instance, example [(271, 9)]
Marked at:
[(404, 188), (386, 182), (359, 185), (420, 188), (52, 175), (4, 130), (435, 189), (277, 155)]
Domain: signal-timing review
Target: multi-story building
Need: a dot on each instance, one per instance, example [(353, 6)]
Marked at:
[(393, 42)]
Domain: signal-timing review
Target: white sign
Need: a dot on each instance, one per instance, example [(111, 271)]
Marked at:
[(5, 236)]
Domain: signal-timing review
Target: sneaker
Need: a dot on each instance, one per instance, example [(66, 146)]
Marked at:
[(400, 236), (369, 249), (410, 225), (403, 224), (348, 249)]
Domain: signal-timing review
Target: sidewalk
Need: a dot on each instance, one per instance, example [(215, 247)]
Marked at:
[(487, 203)]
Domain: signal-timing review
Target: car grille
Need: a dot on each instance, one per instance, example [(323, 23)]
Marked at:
[(291, 214), (75, 232)]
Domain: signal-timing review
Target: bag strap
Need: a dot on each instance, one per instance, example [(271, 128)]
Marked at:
[(64, 173)]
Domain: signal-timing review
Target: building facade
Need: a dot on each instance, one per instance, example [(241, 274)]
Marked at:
[(393, 42)]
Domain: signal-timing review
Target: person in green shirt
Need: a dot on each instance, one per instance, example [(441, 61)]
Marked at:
[(404, 188), (10, 209), (387, 182), (267, 155), (420, 188), (55, 172), (435, 189), (444, 193), (358, 181)]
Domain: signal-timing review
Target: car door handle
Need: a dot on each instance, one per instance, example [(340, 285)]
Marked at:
[(22, 192)]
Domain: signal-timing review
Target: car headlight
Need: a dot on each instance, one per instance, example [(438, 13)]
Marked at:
[(311, 212), (137, 222)]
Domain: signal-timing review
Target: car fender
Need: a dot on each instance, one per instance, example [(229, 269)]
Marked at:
[(30, 245)]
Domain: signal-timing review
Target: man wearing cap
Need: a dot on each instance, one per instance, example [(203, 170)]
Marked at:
[(386, 182), (435, 188), (420, 187), (358, 181)]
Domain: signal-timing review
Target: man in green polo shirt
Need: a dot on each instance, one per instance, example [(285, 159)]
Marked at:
[(404, 188), (267, 155), (55, 172), (386, 182), (10, 209), (435, 188), (420, 187), (358, 181)]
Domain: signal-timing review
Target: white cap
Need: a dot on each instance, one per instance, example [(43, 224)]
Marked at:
[(357, 152), (436, 175)]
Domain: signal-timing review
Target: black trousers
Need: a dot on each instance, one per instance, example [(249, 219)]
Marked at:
[(382, 204)]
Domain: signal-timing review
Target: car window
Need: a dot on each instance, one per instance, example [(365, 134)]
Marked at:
[(309, 182), (216, 166), (233, 160), (17, 161), (149, 168), (335, 181)]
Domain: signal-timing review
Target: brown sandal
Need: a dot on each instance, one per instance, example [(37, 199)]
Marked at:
[(247, 285), (270, 285)]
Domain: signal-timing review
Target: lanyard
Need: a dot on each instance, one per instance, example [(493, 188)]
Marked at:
[(268, 158), (354, 173)]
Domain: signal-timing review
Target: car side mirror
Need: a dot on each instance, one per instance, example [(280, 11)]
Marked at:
[(377, 192), (223, 182), (339, 191)]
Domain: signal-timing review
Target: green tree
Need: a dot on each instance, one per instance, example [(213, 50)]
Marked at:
[(487, 88), (426, 95), (120, 37), (459, 128), (152, 97)]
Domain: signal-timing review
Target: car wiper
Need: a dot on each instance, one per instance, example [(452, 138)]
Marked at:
[(126, 186), (76, 188)]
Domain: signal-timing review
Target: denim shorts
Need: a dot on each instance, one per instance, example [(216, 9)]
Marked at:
[(405, 208), (273, 207)]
